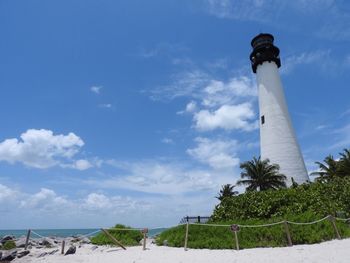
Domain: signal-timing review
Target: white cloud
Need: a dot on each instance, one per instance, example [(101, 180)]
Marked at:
[(82, 164), (199, 85), (215, 104), (191, 106), (318, 57), (325, 18), (96, 201), (265, 11), (218, 93), (159, 177), (167, 141), (184, 84), (40, 148), (106, 105), (96, 89), (48, 209), (242, 10), (6, 194), (321, 127), (102, 202), (48, 200), (228, 117), (45, 199), (218, 154)]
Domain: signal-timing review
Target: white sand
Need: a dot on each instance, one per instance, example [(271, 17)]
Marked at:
[(336, 251)]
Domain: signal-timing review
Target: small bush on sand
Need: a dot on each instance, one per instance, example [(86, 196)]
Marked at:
[(10, 244), (126, 237)]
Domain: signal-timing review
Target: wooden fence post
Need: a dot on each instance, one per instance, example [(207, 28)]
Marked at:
[(332, 220), (144, 232), (62, 248), (27, 239), (186, 235), (234, 229), (113, 238), (286, 228), (236, 238)]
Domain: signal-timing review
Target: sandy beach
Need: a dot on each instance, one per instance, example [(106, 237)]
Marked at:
[(331, 251)]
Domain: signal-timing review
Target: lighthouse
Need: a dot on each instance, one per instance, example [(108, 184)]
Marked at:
[(278, 142)]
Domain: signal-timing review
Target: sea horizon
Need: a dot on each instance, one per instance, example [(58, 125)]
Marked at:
[(62, 232)]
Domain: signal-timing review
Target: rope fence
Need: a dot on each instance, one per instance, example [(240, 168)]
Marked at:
[(342, 219), (234, 228), (144, 231), (265, 225), (35, 233), (125, 229), (309, 223)]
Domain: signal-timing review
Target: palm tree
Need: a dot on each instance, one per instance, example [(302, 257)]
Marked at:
[(344, 163), (226, 191), (327, 170), (261, 175)]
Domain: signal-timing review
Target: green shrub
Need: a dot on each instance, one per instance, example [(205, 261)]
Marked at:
[(319, 199), (10, 244), (272, 236), (127, 238)]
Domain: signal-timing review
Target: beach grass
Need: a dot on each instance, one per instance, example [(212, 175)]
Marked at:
[(8, 245), (126, 237)]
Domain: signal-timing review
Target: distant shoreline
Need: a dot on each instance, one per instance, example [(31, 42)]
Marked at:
[(61, 232)]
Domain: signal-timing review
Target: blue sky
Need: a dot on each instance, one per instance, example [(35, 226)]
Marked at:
[(138, 111)]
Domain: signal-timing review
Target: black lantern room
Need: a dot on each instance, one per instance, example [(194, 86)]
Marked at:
[(264, 50)]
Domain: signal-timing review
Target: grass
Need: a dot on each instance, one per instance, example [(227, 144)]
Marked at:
[(10, 244), (126, 237), (272, 236)]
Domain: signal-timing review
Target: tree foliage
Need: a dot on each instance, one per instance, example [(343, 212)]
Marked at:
[(328, 169), (226, 191), (260, 175), (344, 163), (331, 168)]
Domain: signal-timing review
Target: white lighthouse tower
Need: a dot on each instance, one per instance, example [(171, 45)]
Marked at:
[(278, 142)]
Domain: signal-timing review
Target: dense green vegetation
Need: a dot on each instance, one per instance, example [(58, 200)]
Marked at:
[(272, 236), (127, 238), (267, 200), (304, 203), (319, 198)]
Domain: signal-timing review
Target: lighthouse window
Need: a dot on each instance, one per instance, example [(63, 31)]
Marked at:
[(262, 119)]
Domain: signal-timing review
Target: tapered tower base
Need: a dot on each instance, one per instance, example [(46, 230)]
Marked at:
[(277, 138)]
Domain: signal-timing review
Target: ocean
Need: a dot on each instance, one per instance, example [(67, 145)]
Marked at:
[(63, 232)]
